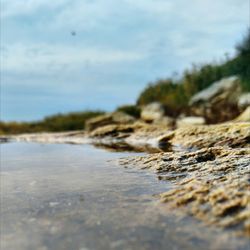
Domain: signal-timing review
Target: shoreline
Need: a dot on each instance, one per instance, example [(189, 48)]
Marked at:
[(208, 165)]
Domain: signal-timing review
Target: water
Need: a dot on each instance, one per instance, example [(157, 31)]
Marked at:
[(74, 197)]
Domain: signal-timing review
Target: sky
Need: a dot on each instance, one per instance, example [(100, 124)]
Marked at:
[(119, 46)]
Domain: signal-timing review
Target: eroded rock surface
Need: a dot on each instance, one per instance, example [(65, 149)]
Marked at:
[(218, 102), (164, 138), (227, 134), (192, 137), (108, 119), (153, 111), (190, 121), (212, 184)]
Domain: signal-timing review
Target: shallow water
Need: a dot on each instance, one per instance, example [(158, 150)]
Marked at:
[(74, 197)]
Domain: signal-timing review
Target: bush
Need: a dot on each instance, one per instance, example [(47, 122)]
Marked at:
[(176, 94), (132, 110), (54, 123), (170, 94)]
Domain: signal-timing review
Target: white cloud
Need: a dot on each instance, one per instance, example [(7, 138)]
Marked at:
[(152, 6), (119, 44), (12, 8), (46, 57), (178, 29)]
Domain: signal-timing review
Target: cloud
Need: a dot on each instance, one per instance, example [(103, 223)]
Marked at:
[(13, 8), (120, 46), (48, 57)]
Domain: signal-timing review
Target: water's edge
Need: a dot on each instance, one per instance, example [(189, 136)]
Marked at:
[(73, 197)]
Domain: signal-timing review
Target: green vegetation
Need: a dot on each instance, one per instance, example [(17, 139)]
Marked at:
[(175, 94), (55, 123), (132, 110)]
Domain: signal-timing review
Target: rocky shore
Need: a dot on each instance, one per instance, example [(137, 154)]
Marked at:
[(208, 165), (211, 184)]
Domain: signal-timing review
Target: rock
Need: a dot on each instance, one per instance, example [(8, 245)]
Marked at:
[(107, 119), (117, 131), (119, 117), (192, 137), (111, 130), (226, 135), (227, 87), (152, 111), (147, 138), (244, 116), (156, 137), (218, 102), (244, 101), (190, 121), (98, 121), (211, 184), (166, 121)]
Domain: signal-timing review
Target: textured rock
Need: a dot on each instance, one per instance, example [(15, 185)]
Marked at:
[(191, 137), (211, 184), (108, 119), (153, 111), (163, 138), (190, 121), (209, 170), (218, 102), (166, 121), (98, 121), (227, 135), (224, 88), (122, 118), (116, 130)]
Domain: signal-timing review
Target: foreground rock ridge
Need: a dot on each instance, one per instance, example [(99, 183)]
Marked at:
[(210, 175), (208, 167), (211, 184)]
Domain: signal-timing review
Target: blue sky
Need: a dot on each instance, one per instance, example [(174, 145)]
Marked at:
[(119, 46)]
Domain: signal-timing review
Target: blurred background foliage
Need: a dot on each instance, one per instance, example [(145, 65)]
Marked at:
[(54, 123), (175, 94), (132, 110)]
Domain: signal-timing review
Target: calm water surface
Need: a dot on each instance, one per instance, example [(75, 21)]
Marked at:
[(73, 197)]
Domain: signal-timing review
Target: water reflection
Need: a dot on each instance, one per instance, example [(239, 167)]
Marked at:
[(73, 197)]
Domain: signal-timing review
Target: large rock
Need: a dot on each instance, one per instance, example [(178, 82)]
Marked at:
[(244, 100), (108, 119), (218, 102), (153, 111)]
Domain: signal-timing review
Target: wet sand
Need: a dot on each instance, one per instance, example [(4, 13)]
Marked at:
[(78, 197)]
